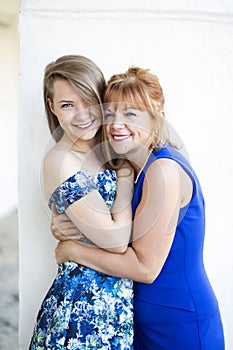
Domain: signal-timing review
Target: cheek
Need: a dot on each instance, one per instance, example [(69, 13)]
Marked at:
[(96, 112), (146, 128), (62, 120), (107, 130), (65, 117), (99, 120)]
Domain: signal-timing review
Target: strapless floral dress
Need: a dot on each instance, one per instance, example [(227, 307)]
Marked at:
[(85, 309)]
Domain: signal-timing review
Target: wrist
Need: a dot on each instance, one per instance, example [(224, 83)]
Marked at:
[(72, 251)]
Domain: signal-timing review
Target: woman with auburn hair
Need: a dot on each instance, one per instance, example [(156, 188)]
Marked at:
[(174, 304)]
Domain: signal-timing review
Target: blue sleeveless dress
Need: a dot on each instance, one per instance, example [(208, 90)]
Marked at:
[(179, 310), (85, 309)]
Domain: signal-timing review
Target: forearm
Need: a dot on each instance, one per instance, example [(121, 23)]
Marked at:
[(73, 234), (126, 265), (122, 209), (107, 229)]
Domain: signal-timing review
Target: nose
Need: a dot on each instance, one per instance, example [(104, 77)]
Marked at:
[(82, 112), (118, 122)]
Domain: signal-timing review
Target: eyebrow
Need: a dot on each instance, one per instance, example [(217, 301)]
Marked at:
[(66, 101), (130, 107), (124, 108)]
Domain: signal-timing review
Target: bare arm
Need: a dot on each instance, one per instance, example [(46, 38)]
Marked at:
[(154, 228), (109, 230)]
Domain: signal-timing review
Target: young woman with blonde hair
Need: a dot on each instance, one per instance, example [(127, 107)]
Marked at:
[(84, 309)]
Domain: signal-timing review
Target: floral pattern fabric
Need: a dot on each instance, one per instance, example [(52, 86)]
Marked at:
[(85, 309), (80, 184)]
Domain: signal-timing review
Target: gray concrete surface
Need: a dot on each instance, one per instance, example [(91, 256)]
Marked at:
[(9, 282)]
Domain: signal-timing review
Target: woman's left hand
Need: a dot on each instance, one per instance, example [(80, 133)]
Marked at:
[(64, 251)]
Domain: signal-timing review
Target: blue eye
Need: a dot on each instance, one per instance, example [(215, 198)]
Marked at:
[(130, 114), (66, 105), (108, 115)]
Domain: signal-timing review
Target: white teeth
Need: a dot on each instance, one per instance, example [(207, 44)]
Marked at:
[(84, 126), (121, 137)]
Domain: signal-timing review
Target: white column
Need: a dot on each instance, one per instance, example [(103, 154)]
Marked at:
[(189, 47)]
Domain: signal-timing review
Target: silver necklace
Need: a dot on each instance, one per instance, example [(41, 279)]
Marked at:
[(146, 160)]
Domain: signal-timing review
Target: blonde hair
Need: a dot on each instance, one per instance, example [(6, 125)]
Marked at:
[(139, 87), (83, 74)]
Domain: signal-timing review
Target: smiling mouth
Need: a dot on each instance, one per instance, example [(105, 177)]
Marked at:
[(120, 137), (84, 125)]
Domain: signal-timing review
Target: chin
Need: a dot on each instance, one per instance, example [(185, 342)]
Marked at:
[(88, 135), (120, 148)]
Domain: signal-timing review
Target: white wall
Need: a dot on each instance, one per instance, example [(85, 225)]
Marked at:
[(189, 46)]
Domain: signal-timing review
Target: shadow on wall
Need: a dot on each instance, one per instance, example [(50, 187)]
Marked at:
[(9, 281)]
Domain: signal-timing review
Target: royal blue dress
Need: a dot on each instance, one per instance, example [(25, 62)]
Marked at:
[(85, 309), (179, 310)]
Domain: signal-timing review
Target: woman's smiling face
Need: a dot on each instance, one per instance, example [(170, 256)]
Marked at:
[(76, 118), (128, 127)]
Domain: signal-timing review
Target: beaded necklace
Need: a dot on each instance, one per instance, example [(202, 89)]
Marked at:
[(146, 160)]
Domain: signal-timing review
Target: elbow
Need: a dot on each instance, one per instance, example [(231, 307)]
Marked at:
[(150, 279), (147, 277), (149, 272)]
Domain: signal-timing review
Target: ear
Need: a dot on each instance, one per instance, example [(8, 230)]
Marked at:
[(162, 113), (50, 103)]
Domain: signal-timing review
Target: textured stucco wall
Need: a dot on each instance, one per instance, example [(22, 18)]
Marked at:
[(189, 46)]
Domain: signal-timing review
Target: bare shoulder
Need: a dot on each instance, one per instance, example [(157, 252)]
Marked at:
[(164, 169), (167, 172), (60, 157), (58, 165)]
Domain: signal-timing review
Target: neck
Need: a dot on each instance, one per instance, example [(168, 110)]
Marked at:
[(139, 157), (77, 145), (87, 151)]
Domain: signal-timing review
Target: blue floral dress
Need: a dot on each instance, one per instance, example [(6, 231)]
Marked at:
[(85, 309)]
